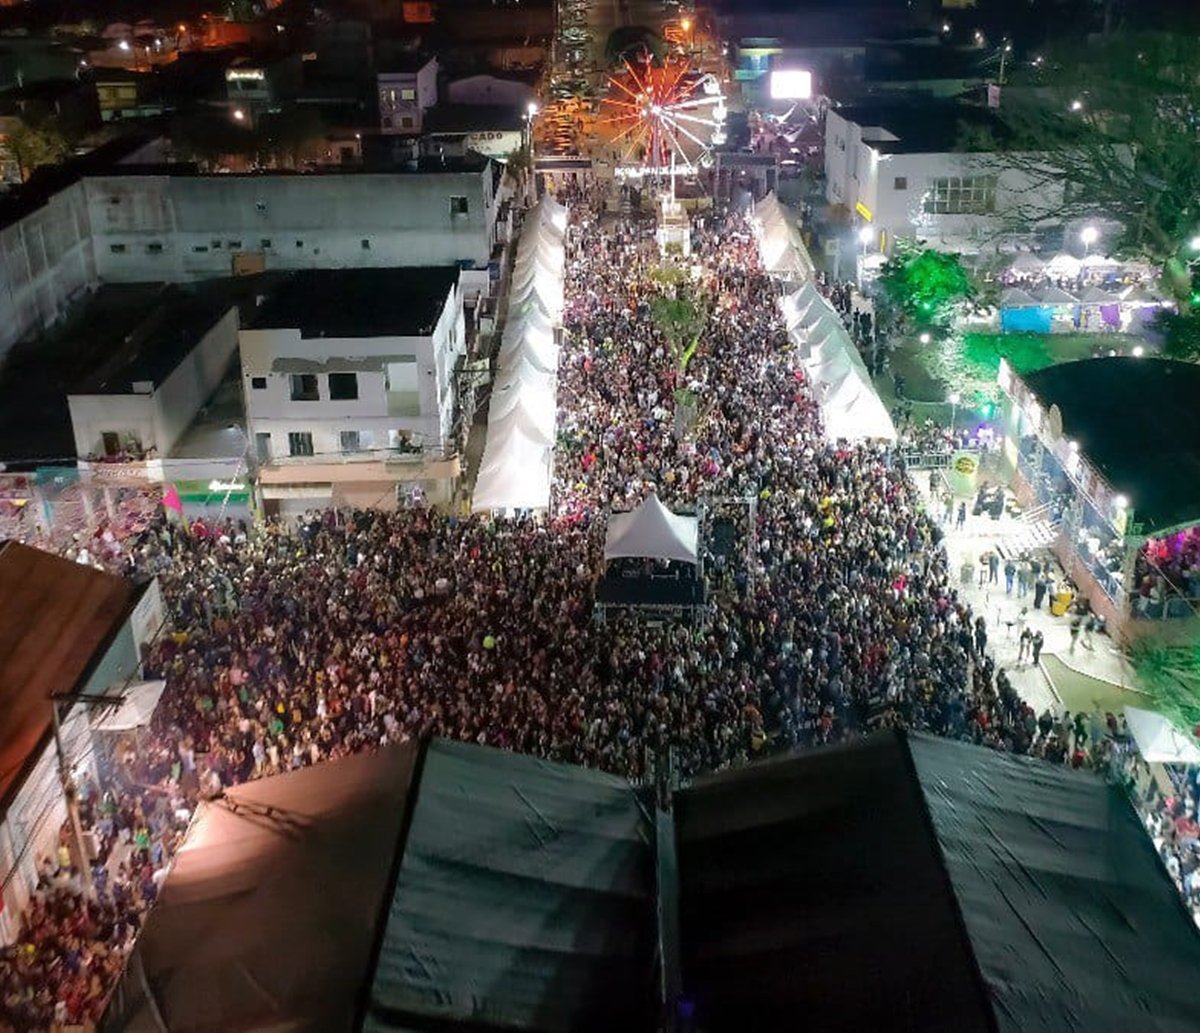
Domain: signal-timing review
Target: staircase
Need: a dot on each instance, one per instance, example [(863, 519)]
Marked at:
[(1036, 528)]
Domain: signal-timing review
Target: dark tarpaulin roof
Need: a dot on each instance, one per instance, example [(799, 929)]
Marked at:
[(1072, 918), (525, 900), (924, 884), (811, 893), (267, 920), (1150, 453)]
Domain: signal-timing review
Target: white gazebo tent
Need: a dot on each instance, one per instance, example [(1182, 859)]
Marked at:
[(1159, 741), (135, 709), (652, 532)]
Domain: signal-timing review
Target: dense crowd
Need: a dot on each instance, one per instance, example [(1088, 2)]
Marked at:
[(833, 613)]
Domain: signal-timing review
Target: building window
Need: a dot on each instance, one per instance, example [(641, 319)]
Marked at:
[(300, 443), (154, 249), (262, 447), (265, 242), (961, 195), (299, 243), (216, 245), (408, 94), (304, 388), (258, 383), (900, 183), (235, 244), (117, 249), (406, 122), (366, 244), (351, 441), (387, 121), (343, 387), (458, 205), (200, 249)]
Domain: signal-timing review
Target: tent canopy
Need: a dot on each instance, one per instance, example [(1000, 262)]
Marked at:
[(525, 901), (652, 532), (1159, 741), (135, 710)]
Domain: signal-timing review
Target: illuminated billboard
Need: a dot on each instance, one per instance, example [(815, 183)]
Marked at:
[(791, 84)]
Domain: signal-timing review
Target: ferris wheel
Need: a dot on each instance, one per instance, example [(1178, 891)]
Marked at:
[(667, 117)]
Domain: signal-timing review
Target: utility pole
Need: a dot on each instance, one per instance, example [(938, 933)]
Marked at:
[(71, 796)]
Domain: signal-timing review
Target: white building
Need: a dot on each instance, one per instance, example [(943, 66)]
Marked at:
[(406, 91), (163, 351), (349, 383), (906, 170), (120, 226)]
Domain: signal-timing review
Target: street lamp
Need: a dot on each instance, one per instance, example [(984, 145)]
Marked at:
[(1194, 243), (953, 398), (925, 338), (1089, 235)]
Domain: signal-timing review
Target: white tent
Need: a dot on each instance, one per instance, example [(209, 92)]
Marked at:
[(512, 487), (533, 421), (1063, 264), (135, 709), (538, 348), (523, 371), (780, 245), (1159, 741), (798, 302), (652, 532), (1026, 262), (540, 402), (866, 420)]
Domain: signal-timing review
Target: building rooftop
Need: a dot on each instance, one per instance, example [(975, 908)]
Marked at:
[(1150, 454), (57, 618), (141, 332), (458, 119), (359, 302), (922, 126)]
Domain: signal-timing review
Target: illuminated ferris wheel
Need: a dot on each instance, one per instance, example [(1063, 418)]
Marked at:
[(667, 117)]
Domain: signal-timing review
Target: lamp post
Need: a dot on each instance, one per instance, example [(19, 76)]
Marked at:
[(865, 236), (1089, 235), (953, 398)]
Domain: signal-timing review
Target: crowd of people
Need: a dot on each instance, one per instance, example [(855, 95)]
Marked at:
[(832, 613)]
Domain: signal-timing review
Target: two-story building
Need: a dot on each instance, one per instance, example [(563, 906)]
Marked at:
[(917, 170), (254, 88), (408, 87), (349, 383)]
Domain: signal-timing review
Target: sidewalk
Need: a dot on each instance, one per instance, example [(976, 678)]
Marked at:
[(1080, 679)]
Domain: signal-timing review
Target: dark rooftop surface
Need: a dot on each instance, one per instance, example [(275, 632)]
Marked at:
[(359, 302), (472, 118), (142, 332), (922, 127), (1138, 421), (90, 351)]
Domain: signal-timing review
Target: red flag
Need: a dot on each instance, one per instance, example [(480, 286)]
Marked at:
[(171, 499)]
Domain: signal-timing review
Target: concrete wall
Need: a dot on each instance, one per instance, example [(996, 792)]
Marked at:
[(46, 261), (193, 381), (181, 227), (94, 415)]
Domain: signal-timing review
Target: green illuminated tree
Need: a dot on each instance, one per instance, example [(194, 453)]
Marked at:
[(924, 284)]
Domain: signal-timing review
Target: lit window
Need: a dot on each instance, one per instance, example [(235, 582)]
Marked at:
[(961, 195)]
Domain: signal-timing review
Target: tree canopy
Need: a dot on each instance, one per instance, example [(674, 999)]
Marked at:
[(924, 284), (1117, 118)]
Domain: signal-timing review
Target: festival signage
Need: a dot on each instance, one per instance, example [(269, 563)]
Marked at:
[(962, 472)]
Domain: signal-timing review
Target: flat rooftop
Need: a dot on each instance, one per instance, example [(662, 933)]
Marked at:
[(1151, 453), (57, 618), (141, 332), (927, 127), (402, 302)]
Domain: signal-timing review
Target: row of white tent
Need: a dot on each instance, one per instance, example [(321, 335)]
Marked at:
[(515, 470), (779, 241), (850, 405)]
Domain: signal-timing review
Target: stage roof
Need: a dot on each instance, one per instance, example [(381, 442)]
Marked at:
[(1150, 452), (272, 908), (927, 884), (57, 618), (525, 901), (811, 887)]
